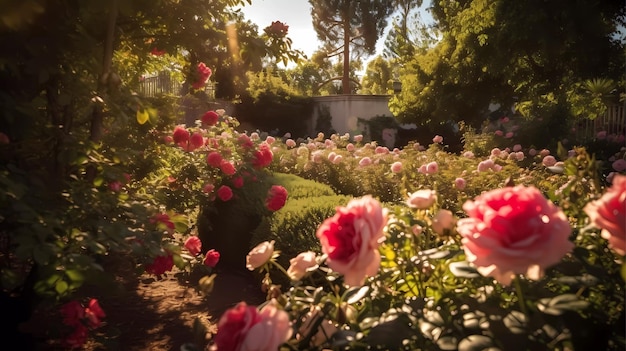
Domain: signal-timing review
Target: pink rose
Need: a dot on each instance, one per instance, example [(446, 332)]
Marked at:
[(549, 161), (300, 265), (514, 230), (214, 159), (365, 161), (443, 221), (193, 244), (422, 199), (259, 255), (351, 238), (460, 183), (432, 167), (290, 143), (437, 139), (227, 167), (211, 258), (245, 328), (396, 167), (180, 135), (609, 214)]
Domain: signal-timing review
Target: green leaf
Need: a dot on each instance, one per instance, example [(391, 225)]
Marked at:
[(61, 287), (75, 275), (559, 304), (463, 269)]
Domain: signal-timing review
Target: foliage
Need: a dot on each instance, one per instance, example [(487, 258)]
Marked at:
[(498, 51), (378, 78), (427, 296), (348, 25)]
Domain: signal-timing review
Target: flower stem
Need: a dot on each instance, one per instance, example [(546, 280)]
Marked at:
[(277, 265), (520, 295)]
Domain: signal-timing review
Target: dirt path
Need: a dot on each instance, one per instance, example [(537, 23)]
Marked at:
[(162, 314)]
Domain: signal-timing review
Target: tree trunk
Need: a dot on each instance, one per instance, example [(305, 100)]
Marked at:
[(345, 81)]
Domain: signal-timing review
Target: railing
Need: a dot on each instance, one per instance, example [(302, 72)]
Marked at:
[(163, 83), (612, 122)]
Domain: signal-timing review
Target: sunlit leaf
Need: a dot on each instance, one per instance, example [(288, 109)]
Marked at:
[(463, 269), (559, 304), (142, 116)]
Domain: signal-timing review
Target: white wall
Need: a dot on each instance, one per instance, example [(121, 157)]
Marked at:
[(347, 109)]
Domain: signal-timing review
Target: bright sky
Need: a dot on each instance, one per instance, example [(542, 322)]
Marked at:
[(295, 13)]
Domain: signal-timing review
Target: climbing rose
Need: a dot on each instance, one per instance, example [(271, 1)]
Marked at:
[(244, 328), (276, 198), (209, 118), (351, 238), (259, 255), (609, 214), (225, 193), (203, 73), (193, 244), (160, 265), (514, 230), (211, 258)]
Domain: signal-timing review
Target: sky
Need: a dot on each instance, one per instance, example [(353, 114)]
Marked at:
[(297, 15)]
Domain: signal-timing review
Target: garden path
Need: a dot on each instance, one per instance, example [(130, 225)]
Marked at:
[(159, 314)]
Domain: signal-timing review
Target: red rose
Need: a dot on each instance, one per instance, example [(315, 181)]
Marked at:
[(211, 258), (225, 193), (181, 135), (210, 118), (263, 156), (203, 73), (78, 337), (160, 265), (193, 244), (94, 313), (227, 167), (214, 159), (609, 214), (514, 230), (351, 238), (195, 141), (163, 221), (276, 198), (72, 313), (238, 182)]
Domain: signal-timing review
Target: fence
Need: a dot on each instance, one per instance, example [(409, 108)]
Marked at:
[(612, 122), (163, 83)]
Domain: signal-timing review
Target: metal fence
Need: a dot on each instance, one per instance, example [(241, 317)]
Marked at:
[(612, 122), (164, 83)]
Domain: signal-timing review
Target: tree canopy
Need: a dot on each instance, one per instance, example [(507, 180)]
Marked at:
[(535, 52), (346, 25)]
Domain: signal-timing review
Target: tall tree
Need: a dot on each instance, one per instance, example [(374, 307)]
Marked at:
[(496, 51), (377, 78), (346, 25)]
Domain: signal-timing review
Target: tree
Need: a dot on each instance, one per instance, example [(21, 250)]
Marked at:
[(378, 77), (344, 25), (496, 51)]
